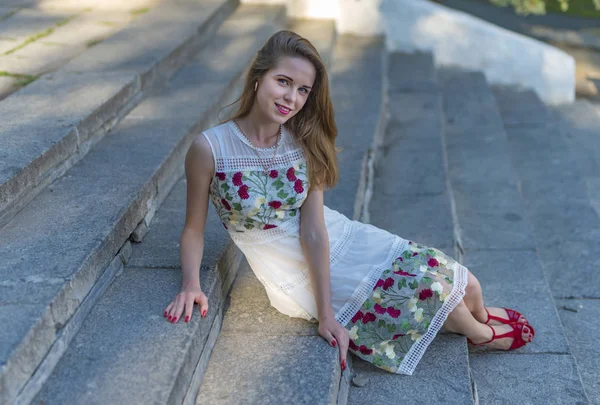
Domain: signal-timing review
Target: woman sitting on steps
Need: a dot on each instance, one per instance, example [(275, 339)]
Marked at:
[(383, 297)]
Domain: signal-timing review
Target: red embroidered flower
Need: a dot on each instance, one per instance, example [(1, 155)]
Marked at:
[(243, 192), (410, 242), (275, 204), (357, 317), (226, 204), (388, 283), (433, 262), (363, 349), (379, 309), (237, 179), (426, 293), (291, 174), (273, 174), (298, 186), (368, 317), (404, 273), (269, 226), (397, 336), (394, 313), (415, 253), (399, 258), (352, 345), (379, 283), (221, 176)]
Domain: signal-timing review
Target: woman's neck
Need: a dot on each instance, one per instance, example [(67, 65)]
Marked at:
[(260, 132)]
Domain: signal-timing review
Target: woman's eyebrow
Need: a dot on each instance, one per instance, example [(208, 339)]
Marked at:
[(291, 80)]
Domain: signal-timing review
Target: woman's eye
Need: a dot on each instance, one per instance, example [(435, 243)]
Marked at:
[(304, 90), (283, 81)]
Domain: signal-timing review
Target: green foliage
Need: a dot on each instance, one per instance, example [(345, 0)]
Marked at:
[(525, 7)]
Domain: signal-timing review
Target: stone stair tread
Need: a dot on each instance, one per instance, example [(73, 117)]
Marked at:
[(105, 200), (357, 66), (277, 359), (75, 105), (475, 129), (411, 199), (565, 225), (582, 333), (430, 383)]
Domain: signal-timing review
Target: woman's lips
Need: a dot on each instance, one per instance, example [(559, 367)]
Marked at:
[(283, 110)]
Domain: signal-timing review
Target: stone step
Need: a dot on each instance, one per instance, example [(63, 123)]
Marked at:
[(580, 125), (412, 200), (56, 250), (29, 47), (555, 159), (53, 122), (288, 361), (499, 248)]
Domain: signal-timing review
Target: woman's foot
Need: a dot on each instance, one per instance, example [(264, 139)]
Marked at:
[(499, 316), (504, 336)]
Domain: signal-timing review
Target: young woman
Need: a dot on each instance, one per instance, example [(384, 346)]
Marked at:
[(381, 296)]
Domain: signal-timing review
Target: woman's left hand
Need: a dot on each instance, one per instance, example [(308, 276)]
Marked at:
[(333, 331)]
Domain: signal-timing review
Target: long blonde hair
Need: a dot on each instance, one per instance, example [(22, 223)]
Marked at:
[(314, 126)]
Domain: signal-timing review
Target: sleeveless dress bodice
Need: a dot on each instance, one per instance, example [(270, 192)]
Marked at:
[(261, 212)]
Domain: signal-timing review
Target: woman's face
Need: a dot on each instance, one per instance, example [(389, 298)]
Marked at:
[(283, 90)]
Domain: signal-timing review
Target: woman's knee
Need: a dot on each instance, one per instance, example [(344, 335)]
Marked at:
[(473, 286)]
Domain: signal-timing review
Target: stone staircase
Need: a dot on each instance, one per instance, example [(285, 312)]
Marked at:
[(490, 176)]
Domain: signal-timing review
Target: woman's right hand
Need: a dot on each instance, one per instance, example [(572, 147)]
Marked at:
[(184, 301)]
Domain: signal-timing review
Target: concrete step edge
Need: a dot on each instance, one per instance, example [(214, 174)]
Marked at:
[(51, 164)]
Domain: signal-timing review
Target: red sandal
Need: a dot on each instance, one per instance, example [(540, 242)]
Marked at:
[(515, 333), (513, 317)]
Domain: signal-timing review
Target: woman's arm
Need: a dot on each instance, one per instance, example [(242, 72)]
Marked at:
[(199, 170), (315, 243)]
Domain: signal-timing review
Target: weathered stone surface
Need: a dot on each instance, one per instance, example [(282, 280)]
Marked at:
[(27, 23), (447, 352), (114, 357), (357, 61), (411, 72), (7, 85), (524, 379), (320, 33), (582, 332), (271, 370), (520, 107)]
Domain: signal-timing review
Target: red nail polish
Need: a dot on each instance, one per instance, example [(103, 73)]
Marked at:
[(334, 343), (170, 317), (344, 365), (187, 318), (204, 313), (174, 319), (166, 313)]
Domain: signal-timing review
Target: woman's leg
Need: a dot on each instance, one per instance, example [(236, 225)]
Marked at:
[(474, 298)]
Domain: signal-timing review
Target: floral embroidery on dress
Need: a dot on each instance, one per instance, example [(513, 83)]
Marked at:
[(258, 200), (400, 309)]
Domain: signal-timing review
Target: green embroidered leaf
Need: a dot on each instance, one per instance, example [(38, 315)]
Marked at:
[(244, 178), (237, 206), (405, 326), (282, 194), (391, 327), (228, 197), (402, 283), (431, 252), (368, 305), (225, 186), (449, 280), (293, 213), (291, 201), (381, 323), (407, 254), (278, 184), (426, 324), (248, 226), (427, 279), (377, 361), (413, 285)]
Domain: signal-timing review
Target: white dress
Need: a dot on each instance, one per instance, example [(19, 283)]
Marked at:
[(262, 214)]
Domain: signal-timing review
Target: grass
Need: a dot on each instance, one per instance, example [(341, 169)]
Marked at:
[(136, 12), (40, 35), (22, 80), (577, 8)]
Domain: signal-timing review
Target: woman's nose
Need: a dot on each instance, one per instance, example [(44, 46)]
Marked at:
[(290, 95)]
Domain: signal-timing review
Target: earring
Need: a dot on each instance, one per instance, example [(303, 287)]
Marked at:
[(255, 85)]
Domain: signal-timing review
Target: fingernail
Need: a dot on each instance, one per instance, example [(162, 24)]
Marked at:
[(204, 313), (344, 365), (187, 318), (334, 343), (170, 317), (166, 313), (174, 319)]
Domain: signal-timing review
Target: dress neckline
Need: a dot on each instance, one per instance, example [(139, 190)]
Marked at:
[(237, 131)]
